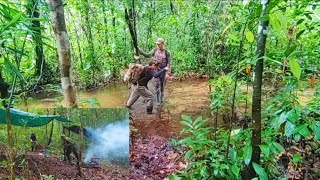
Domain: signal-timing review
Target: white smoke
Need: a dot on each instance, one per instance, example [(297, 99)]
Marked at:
[(109, 142)]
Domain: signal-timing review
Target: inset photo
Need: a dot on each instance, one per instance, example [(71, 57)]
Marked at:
[(64, 143)]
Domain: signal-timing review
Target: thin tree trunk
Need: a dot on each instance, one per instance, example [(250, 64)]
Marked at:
[(130, 19), (51, 132), (79, 161), (63, 45), (11, 145), (33, 12), (256, 97)]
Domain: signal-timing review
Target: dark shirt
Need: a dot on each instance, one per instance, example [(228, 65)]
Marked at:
[(148, 74), (33, 137)]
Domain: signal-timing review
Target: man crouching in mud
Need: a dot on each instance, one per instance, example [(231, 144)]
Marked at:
[(68, 148), (140, 88)]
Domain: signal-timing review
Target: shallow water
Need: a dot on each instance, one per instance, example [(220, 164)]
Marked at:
[(189, 97)]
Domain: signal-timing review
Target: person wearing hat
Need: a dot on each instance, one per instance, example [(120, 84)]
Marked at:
[(163, 57), (140, 88)]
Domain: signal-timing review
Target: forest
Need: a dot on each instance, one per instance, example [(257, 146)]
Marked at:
[(241, 100)]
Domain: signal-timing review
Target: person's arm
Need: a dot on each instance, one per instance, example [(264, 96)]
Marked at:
[(147, 55), (159, 73)]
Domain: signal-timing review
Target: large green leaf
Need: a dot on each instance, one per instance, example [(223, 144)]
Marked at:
[(295, 68), (250, 36), (289, 128), (304, 131), (247, 153), (260, 171)]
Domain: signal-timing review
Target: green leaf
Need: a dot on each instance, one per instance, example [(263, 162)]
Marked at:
[(289, 128), (282, 118), (295, 68), (293, 115), (260, 171), (300, 33), (290, 49), (278, 147), (226, 29), (235, 170), (173, 177), (278, 22), (304, 131), (186, 124), (233, 155), (308, 16), (296, 158), (265, 150), (187, 118), (13, 21), (14, 70), (247, 153), (297, 137), (250, 36), (316, 130), (300, 21)]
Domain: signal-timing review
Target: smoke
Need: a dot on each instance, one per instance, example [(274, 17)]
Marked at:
[(110, 142)]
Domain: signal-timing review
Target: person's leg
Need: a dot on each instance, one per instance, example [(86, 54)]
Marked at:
[(162, 84), (134, 96), (68, 153), (76, 153), (158, 90), (148, 96)]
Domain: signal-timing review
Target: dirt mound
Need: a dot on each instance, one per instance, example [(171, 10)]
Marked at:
[(34, 165)]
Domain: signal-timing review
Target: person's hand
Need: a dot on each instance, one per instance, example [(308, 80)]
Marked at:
[(168, 77), (167, 68)]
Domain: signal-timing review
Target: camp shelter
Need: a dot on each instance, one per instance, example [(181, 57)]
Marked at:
[(22, 118)]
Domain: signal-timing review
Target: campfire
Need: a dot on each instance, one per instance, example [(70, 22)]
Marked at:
[(92, 163)]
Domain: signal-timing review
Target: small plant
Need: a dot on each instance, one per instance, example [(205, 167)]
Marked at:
[(48, 177), (206, 157)]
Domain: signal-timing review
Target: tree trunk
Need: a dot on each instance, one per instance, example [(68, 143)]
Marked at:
[(130, 19), (33, 12), (256, 97), (63, 45)]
